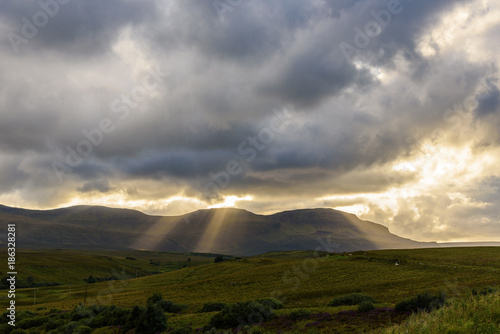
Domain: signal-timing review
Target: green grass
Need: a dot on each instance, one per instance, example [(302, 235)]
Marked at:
[(298, 279), (71, 266), (469, 314)]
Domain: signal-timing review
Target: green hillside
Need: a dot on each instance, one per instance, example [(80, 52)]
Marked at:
[(72, 266)]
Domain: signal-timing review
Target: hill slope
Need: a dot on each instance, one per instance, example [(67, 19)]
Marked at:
[(223, 231)]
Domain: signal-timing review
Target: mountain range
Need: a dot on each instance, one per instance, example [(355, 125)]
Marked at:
[(222, 231)]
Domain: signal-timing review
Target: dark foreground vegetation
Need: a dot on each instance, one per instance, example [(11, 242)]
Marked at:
[(476, 310)]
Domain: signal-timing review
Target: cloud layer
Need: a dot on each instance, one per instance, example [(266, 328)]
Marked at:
[(388, 109)]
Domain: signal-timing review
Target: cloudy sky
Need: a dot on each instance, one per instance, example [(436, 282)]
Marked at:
[(387, 109)]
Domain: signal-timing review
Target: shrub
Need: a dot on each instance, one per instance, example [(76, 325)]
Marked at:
[(53, 324), (350, 299), (133, 319), (366, 306), (171, 307), (32, 322), (181, 330), (71, 327), (166, 305), (424, 301), (271, 302), (155, 298), (80, 312), (108, 316), (212, 307), (483, 292), (83, 330), (256, 330), (18, 331), (24, 315), (5, 328), (246, 313), (299, 314), (151, 320)]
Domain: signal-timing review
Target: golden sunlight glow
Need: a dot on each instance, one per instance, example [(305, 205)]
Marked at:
[(439, 169), (211, 232), (230, 202), (461, 27), (174, 205), (357, 209)]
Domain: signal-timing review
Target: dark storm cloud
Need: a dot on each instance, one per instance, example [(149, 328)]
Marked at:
[(182, 164), (309, 78), (400, 30), (97, 185), (77, 27)]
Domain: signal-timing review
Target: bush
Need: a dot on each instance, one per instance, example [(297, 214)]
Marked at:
[(424, 302), (5, 328), (80, 312), (271, 302), (366, 306), (166, 305), (256, 330), (53, 324), (171, 307), (32, 322), (299, 314), (83, 330), (351, 299), (152, 320), (246, 313), (133, 319), (212, 307), (71, 327), (155, 298), (18, 331), (181, 330), (20, 315), (483, 292), (108, 316)]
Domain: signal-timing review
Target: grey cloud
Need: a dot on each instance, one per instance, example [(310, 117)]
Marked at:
[(102, 186), (79, 27), (488, 102), (11, 177)]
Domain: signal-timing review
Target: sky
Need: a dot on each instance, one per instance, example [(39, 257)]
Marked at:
[(383, 108)]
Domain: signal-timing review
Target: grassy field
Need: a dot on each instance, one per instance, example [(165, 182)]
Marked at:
[(71, 266), (301, 280), (469, 314)]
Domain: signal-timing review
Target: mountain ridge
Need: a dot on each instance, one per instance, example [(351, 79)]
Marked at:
[(217, 230)]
